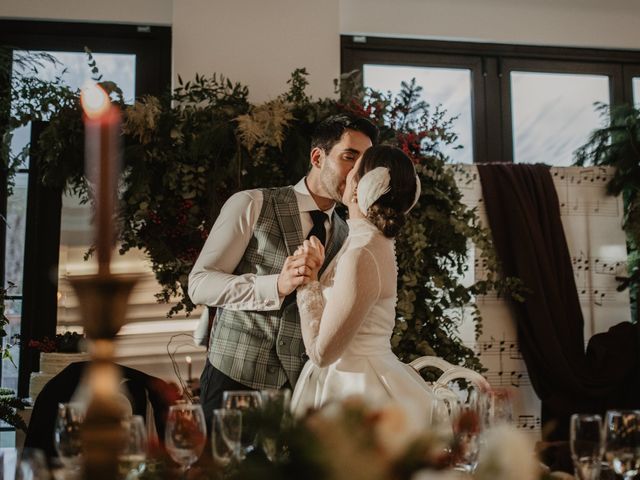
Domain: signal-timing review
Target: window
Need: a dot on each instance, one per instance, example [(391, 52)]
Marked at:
[(514, 103), (138, 58)]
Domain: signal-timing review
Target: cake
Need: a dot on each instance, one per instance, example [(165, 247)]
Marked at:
[(51, 363)]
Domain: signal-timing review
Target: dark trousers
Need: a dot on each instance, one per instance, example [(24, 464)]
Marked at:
[(213, 383)]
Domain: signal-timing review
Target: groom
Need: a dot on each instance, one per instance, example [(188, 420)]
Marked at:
[(244, 271)]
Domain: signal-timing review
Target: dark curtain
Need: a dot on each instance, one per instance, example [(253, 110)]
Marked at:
[(524, 215)]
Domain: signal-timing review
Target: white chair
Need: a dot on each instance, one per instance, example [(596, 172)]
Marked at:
[(442, 387)]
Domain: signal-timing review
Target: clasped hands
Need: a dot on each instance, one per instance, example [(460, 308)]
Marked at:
[(302, 267)]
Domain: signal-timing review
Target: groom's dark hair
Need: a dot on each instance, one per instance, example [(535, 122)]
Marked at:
[(330, 130)]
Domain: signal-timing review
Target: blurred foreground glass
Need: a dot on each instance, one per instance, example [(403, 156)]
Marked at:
[(500, 407), (132, 460), (276, 414), (587, 445), (226, 432), (622, 441), (249, 402), (31, 464), (468, 423), (66, 438), (185, 434)]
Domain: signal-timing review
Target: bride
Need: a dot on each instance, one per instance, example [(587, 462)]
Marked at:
[(347, 320)]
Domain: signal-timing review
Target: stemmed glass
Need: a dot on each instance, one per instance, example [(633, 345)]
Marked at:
[(587, 445), (131, 461), (622, 451), (226, 431), (185, 434), (249, 403), (66, 435)]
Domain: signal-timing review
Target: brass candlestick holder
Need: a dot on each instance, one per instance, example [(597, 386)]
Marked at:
[(103, 302)]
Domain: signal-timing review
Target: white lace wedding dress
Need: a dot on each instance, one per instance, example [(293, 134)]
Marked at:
[(347, 322)]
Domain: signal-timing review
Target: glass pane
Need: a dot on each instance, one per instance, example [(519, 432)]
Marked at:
[(74, 70), (553, 114), (636, 91), (449, 87), (13, 311), (16, 222)]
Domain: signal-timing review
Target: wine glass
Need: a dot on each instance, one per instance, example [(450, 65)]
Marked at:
[(587, 445), (275, 416), (249, 402), (622, 433), (66, 435), (131, 460), (226, 431), (185, 434)]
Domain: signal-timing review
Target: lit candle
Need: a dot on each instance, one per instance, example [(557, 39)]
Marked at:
[(102, 165), (188, 368)]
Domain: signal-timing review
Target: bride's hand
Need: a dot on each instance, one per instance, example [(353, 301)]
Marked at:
[(313, 251)]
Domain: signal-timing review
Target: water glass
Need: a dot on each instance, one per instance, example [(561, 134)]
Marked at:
[(622, 441), (226, 431), (468, 424), (249, 402), (185, 434), (132, 459), (276, 415), (587, 445), (66, 438)]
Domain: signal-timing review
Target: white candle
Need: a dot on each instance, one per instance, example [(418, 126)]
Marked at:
[(102, 165), (188, 368)]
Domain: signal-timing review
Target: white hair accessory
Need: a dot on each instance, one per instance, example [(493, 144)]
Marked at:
[(372, 186), (417, 195)]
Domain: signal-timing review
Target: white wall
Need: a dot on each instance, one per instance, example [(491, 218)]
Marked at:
[(258, 43), (583, 23), (146, 12)]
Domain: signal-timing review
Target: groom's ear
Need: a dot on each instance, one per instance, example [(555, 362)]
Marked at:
[(317, 154)]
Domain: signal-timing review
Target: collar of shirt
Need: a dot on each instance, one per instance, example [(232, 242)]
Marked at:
[(306, 203)]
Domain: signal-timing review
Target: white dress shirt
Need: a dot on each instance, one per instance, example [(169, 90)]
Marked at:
[(212, 282)]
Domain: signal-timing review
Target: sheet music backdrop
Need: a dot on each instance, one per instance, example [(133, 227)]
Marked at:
[(592, 222)]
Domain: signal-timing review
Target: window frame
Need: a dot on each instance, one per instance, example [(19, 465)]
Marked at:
[(491, 95), (152, 47)]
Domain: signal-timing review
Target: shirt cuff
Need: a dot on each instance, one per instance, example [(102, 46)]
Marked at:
[(266, 292)]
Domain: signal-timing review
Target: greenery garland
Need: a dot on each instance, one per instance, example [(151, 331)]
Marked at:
[(187, 152), (617, 144)]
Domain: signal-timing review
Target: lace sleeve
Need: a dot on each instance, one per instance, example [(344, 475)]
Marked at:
[(327, 329)]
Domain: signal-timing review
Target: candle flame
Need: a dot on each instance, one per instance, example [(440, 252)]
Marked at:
[(95, 100)]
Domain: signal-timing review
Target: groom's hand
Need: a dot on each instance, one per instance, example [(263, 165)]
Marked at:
[(295, 272)]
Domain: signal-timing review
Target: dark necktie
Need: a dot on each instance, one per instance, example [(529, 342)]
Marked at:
[(318, 229)]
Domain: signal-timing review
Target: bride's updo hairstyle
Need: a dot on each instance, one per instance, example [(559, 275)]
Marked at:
[(388, 212)]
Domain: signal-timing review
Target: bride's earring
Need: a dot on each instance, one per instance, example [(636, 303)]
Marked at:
[(354, 195)]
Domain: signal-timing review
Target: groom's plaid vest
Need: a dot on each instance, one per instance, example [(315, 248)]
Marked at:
[(264, 349)]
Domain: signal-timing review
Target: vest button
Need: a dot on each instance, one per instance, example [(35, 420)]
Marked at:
[(282, 342), (304, 357), (271, 369)]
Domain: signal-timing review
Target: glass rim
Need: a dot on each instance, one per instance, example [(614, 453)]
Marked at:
[(586, 416)]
